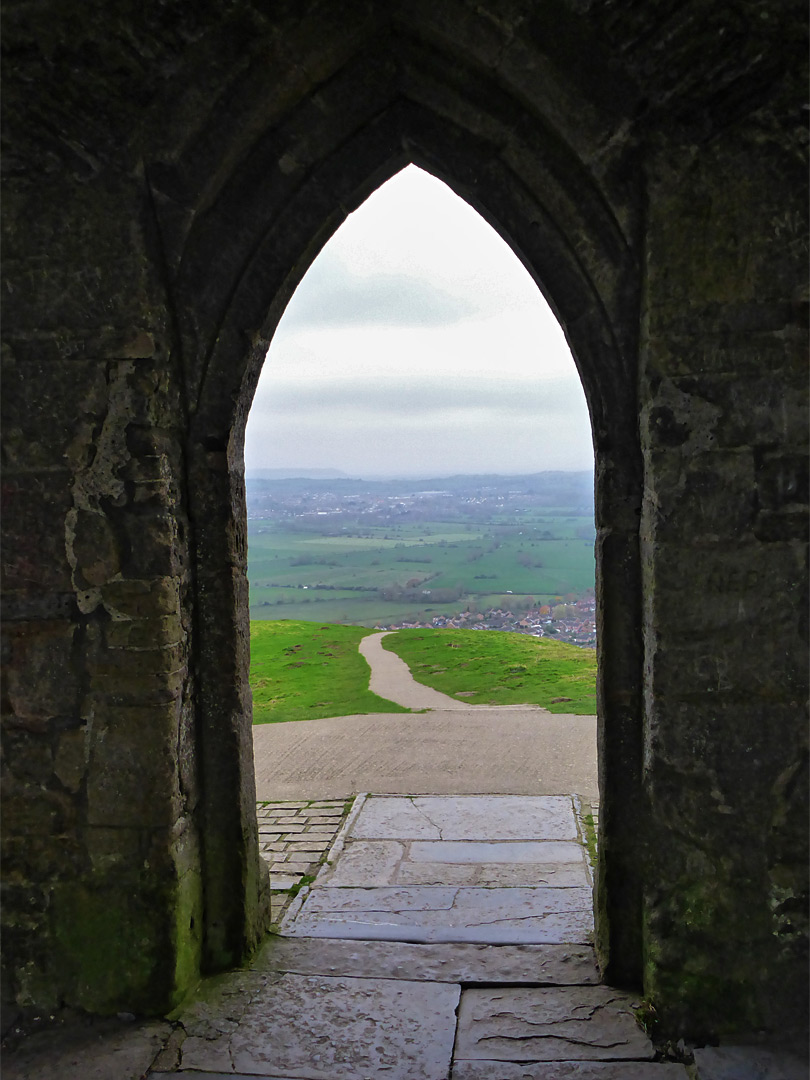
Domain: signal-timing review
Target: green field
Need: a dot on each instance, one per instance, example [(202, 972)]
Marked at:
[(303, 671), (486, 667), (384, 574)]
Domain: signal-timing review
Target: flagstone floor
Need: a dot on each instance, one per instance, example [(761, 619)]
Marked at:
[(444, 938)]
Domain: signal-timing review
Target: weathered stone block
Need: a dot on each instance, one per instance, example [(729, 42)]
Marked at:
[(727, 586), (134, 782), (41, 680), (96, 549), (34, 558), (590, 1023), (162, 631), (31, 390), (701, 497), (142, 598)]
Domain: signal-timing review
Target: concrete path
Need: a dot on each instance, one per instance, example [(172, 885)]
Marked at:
[(455, 748)]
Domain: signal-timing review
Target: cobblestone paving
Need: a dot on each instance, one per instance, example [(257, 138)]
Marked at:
[(294, 840)]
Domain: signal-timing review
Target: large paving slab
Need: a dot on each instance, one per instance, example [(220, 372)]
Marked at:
[(472, 817), (459, 962), (554, 863), (336, 1028), (442, 914), (566, 1070), (590, 1023)]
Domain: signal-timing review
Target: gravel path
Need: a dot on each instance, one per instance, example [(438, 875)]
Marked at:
[(454, 749), (391, 678)]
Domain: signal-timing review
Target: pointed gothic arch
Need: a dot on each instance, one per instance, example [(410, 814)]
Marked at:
[(266, 233)]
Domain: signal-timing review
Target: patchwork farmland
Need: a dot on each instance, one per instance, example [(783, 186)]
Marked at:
[(386, 553)]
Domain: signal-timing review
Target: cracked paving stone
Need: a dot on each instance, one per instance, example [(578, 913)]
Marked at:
[(566, 1070), (365, 863), (591, 1023), (325, 1028), (444, 914), (470, 817), (449, 963)]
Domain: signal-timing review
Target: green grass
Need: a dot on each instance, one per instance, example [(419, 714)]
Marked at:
[(303, 671), (488, 667)]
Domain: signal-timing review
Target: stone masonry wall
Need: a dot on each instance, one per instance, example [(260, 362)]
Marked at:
[(102, 898), (724, 542)]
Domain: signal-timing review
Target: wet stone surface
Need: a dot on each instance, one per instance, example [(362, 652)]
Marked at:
[(505, 916), (556, 1024)]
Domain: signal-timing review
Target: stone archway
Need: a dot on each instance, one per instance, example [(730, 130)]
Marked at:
[(595, 292)]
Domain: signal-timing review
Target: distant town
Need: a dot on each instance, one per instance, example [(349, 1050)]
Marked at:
[(572, 622)]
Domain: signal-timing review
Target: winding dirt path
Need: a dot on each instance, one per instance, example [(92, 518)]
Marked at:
[(453, 749), (391, 678)]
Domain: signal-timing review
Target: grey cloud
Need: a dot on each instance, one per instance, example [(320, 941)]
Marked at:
[(405, 398), (330, 297)]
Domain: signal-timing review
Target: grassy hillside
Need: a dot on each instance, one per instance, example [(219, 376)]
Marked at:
[(302, 671), (486, 667)]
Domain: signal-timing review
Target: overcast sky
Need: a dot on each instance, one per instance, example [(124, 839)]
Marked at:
[(417, 344)]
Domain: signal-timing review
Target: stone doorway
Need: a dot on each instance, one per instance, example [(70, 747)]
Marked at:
[(602, 348)]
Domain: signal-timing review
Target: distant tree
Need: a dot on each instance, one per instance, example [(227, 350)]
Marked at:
[(563, 611)]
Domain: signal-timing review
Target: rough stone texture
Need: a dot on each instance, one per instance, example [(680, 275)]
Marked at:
[(566, 1070), (104, 1050), (459, 962), (169, 174), (748, 1063), (323, 1027), (556, 1024), (486, 817), (556, 864)]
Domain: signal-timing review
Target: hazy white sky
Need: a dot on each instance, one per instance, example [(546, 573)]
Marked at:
[(417, 344)]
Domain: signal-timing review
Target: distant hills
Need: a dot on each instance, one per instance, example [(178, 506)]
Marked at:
[(553, 488), (295, 474)]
